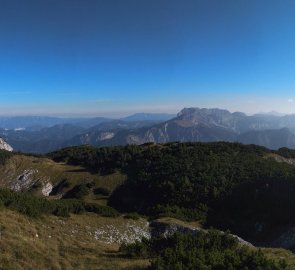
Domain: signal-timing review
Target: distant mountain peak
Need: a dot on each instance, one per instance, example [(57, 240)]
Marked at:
[(148, 117), (201, 111), (271, 113), (239, 114), (208, 117)]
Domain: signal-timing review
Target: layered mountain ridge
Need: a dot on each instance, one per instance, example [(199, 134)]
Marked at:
[(207, 125), (190, 124)]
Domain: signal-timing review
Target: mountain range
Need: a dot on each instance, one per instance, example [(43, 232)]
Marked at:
[(39, 122), (44, 134), (205, 125)]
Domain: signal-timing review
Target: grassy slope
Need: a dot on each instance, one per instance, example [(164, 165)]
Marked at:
[(278, 254), (69, 243), (61, 243), (55, 172), (55, 243)]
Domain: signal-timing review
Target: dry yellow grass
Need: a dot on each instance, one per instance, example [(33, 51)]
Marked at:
[(55, 243), (279, 254), (169, 220), (69, 243)]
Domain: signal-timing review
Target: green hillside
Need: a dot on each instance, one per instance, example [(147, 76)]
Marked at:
[(100, 193), (225, 185)]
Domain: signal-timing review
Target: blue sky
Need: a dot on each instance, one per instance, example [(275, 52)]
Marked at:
[(114, 57)]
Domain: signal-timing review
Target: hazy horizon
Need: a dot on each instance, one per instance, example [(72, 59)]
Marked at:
[(123, 115), (114, 58)]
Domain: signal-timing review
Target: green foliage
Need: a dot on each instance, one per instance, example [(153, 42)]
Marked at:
[(4, 156), (79, 191), (102, 191), (286, 152), (102, 210), (134, 216), (225, 185), (183, 213), (104, 160), (58, 188), (203, 251), (254, 209), (140, 249), (32, 206)]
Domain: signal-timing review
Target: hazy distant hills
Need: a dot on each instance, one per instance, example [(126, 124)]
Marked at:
[(109, 132), (271, 138), (36, 134), (237, 121), (23, 122), (206, 125), (195, 124), (39, 122), (44, 134), (149, 117)]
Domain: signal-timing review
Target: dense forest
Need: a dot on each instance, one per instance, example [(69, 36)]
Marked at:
[(225, 185)]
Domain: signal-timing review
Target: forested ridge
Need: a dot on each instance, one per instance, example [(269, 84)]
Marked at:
[(225, 185)]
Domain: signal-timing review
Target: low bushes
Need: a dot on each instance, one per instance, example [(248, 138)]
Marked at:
[(33, 206), (213, 250)]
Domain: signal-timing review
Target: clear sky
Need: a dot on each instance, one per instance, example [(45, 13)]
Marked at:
[(112, 57)]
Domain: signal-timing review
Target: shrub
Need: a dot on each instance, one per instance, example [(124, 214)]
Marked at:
[(78, 192), (134, 216), (4, 156), (32, 206), (213, 250), (102, 191)]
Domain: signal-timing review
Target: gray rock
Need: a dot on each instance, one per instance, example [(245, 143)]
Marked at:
[(24, 181), (46, 189), (5, 146)]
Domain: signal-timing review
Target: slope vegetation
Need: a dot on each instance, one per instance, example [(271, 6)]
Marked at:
[(225, 185), (76, 242), (247, 189)]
